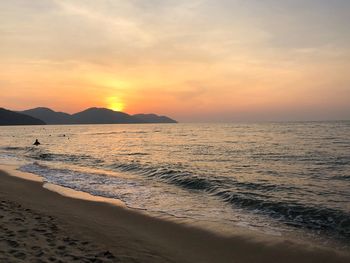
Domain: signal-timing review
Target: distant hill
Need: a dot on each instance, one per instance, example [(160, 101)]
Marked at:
[(153, 118), (49, 116), (8, 117), (102, 116), (94, 116)]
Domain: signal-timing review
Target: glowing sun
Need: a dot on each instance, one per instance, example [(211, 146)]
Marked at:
[(115, 104)]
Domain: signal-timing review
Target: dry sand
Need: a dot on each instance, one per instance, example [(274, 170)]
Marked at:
[(38, 225)]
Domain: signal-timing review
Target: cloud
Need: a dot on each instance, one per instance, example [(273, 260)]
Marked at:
[(122, 28), (224, 54)]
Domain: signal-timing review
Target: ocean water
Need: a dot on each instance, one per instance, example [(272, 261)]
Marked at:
[(274, 178)]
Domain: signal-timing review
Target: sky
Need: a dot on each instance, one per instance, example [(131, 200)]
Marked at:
[(195, 61)]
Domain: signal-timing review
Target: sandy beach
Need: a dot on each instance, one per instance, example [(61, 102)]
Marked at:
[(39, 225)]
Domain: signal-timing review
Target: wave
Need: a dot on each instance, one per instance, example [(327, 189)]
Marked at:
[(106, 133), (294, 214), (12, 148), (230, 191), (252, 196), (77, 180), (341, 177), (133, 154), (15, 148), (314, 158), (40, 155)]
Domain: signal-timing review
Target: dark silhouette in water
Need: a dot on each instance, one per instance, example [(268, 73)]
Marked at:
[(36, 143)]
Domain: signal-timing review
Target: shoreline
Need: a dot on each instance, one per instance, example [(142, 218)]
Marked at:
[(130, 235)]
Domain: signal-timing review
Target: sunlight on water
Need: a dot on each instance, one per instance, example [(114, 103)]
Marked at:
[(272, 177)]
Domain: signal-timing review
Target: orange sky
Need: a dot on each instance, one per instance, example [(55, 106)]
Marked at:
[(192, 60)]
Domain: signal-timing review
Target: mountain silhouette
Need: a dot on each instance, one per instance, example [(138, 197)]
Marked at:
[(102, 116), (94, 116), (8, 117), (153, 118), (49, 116)]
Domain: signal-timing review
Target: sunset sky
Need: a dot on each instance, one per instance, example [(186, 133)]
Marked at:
[(199, 60)]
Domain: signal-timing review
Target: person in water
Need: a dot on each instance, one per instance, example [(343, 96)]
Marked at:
[(36, 143)]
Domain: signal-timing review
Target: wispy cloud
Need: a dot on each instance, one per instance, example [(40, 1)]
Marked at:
[(119, 27), (224, 54)]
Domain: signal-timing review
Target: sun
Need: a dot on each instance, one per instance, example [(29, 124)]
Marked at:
[(115, 104)]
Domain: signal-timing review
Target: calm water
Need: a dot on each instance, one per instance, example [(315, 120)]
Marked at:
[(272, 177)]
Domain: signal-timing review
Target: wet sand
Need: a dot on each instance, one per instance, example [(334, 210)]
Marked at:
[(39, 225)]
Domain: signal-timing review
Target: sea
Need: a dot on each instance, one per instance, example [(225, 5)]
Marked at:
[(272, 178)]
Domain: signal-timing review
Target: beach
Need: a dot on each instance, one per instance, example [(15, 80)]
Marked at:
[(174, 131), (39, 225)]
